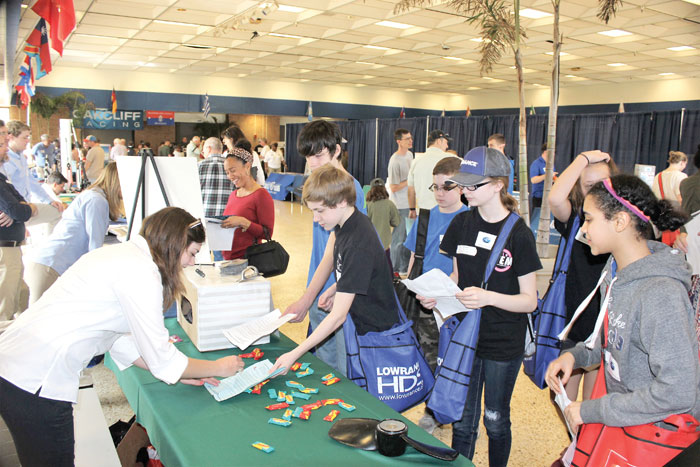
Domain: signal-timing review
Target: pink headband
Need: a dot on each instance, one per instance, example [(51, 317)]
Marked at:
[(608, 186)]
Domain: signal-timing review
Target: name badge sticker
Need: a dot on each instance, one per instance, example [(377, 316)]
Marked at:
[(485, 240), (611, 366), (466, 250)]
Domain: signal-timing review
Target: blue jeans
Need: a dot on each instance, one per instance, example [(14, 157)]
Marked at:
[(400, 255), (499, 380), (332, 349), (535, 220)]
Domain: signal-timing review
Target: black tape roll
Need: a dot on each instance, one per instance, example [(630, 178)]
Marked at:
[(390, 437)]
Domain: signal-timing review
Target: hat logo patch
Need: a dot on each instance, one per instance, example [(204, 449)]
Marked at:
[(471, 163)]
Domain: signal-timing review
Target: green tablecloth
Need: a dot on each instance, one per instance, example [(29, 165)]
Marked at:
[(188, 427)]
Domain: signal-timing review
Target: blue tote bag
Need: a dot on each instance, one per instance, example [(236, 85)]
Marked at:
[(457, 347), (550, 317), (389, 364)]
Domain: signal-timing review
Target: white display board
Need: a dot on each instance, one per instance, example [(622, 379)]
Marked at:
[(180, 180), (645, 172)]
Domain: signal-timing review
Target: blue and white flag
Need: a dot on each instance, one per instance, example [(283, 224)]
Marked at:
[(310, 112), (207, 108)]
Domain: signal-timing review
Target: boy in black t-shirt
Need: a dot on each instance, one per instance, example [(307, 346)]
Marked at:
[(363, 280)]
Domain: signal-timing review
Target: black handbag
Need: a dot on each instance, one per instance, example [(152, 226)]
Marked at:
[(270, 257)]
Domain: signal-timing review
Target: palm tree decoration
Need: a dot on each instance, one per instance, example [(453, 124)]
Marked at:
[(500, 31), (46, 106), (608, 9)]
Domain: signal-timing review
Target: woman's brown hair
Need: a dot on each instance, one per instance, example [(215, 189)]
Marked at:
[(108, 182), (169, 232), (377, 193), (576, 194), (507, 200)]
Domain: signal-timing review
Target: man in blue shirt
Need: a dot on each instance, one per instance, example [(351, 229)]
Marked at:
[(319, 142), (17, 171), (13, 290), (44, 154), (537, 175)]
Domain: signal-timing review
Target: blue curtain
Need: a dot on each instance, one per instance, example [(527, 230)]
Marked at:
[(295, 163), (386, 144), (360, 146), (690, 140)]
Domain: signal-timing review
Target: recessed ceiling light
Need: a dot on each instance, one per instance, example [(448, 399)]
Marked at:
[(617, 64), (304, 80), (146, 64), (615, 33), (409, 89), (473, 88), (452, 58), (533, 14), (360, 85), (571, 76), (175, 23), (375, 47), (681, 48), (666, 74), (431, 71), (367, 76), (562, 54), (289, 36), (392, 24), (365, 63), (290, 9), (424, 82)]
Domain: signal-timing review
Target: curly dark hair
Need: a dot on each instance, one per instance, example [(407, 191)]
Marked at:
[(638, 193)]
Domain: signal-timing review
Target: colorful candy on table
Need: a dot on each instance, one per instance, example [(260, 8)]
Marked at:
[(284, 400)]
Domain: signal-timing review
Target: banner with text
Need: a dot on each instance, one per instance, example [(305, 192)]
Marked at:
[(161, 118), (104, 119)]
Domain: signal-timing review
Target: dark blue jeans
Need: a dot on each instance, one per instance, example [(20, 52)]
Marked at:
[(42, 429), (499, 379)]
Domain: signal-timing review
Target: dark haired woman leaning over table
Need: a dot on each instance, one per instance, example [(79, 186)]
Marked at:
[(123, 292)]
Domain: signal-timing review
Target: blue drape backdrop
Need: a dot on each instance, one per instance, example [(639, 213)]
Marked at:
[(631, 138)]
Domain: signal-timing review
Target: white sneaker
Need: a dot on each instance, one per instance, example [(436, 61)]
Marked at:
[(428, 423)]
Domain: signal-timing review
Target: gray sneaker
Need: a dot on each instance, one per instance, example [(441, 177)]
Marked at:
[(428, 423)]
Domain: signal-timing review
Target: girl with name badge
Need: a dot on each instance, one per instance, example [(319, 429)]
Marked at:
[(511, 292), (566, 203), (645, 330), (112, 299)]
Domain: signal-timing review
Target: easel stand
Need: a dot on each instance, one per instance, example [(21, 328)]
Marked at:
[(141, 188)]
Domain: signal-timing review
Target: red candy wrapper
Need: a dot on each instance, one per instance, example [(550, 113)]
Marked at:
[(256, 354), (296, 366), (331, 415), (305, 414), (331, 381), (281, 405)]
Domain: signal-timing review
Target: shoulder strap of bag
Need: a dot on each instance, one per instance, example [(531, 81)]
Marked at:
[(421, 240), (503, 235), (266, 233), (564, 259), (661, 186)]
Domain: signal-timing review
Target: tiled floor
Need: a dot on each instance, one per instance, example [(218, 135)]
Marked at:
[(538, 435)]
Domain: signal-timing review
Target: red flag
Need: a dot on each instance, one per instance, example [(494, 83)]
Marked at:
[(114, 101), (40, 39), (60, 14), (403, 113)]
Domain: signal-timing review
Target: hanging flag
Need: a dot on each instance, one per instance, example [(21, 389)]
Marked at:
[(468, 113), (310, 112), (114, 101), (25, 84), (532, 109), (443, 113), (403, 112), (621, 109), (207, 108), (38, 45), (60, 15)]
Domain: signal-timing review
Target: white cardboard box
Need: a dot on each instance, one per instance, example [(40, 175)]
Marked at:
[(220, 302)]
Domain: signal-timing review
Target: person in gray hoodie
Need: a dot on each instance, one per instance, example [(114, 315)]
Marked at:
[(652, 368)]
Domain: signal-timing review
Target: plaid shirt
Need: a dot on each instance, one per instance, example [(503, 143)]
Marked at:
[(216, 187)]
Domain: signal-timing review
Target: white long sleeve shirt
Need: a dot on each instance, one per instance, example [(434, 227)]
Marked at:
[(109, 300)]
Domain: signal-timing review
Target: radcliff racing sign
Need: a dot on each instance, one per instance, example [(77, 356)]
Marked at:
[(104, 119)]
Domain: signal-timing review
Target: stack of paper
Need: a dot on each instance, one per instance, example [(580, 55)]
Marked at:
[(245, 334), (234, 385), (436, 284), (563, 402)]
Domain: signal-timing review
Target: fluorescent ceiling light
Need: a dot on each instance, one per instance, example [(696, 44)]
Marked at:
[(304, 80), (694, 2), (681, 48), (488, 77), (392, 24), (410, 89), (431, 71), (533, 14), (360, 85), (290, 9), (473, 88), (571, 76), (560, 53), (617, 64), (175, 23), (375, 47), (147, 64), (477, 39), (666, 74), (241, 75), (615, 33), (424, 82), (452, 58), (367, 76), (365, 63), (289, 36)]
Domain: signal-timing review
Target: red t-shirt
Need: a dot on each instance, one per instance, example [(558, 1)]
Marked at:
[(259, 209)]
